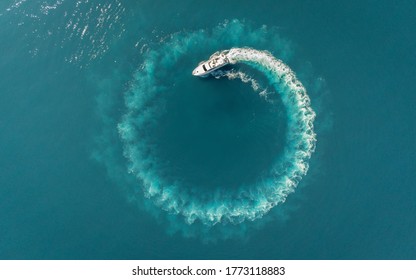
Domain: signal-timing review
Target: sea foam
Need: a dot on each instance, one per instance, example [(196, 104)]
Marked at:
[(249, 202)]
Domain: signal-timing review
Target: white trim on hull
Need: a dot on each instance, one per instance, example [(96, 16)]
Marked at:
[(216, 61)]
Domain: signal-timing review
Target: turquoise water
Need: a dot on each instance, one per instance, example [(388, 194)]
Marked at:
[(111, 149)]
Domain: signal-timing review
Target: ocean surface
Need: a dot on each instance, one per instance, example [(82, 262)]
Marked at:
[(302, 148)]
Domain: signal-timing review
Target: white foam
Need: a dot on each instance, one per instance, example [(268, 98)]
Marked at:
[(232, 75), (249, 203)]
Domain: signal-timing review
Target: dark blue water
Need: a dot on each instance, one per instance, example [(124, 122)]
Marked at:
[(67, 70)]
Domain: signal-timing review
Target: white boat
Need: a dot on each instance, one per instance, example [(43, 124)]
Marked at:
[(216, 61)]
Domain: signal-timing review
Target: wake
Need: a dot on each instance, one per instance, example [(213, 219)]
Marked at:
[(248, 202), (301, 115)]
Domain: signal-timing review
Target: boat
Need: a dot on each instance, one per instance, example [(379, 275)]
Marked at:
[(216, 61)]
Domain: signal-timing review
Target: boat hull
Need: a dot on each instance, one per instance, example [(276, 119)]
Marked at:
[(200, 72), (215, 62)]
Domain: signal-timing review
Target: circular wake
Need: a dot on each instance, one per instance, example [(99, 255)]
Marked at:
[(235, 205)]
